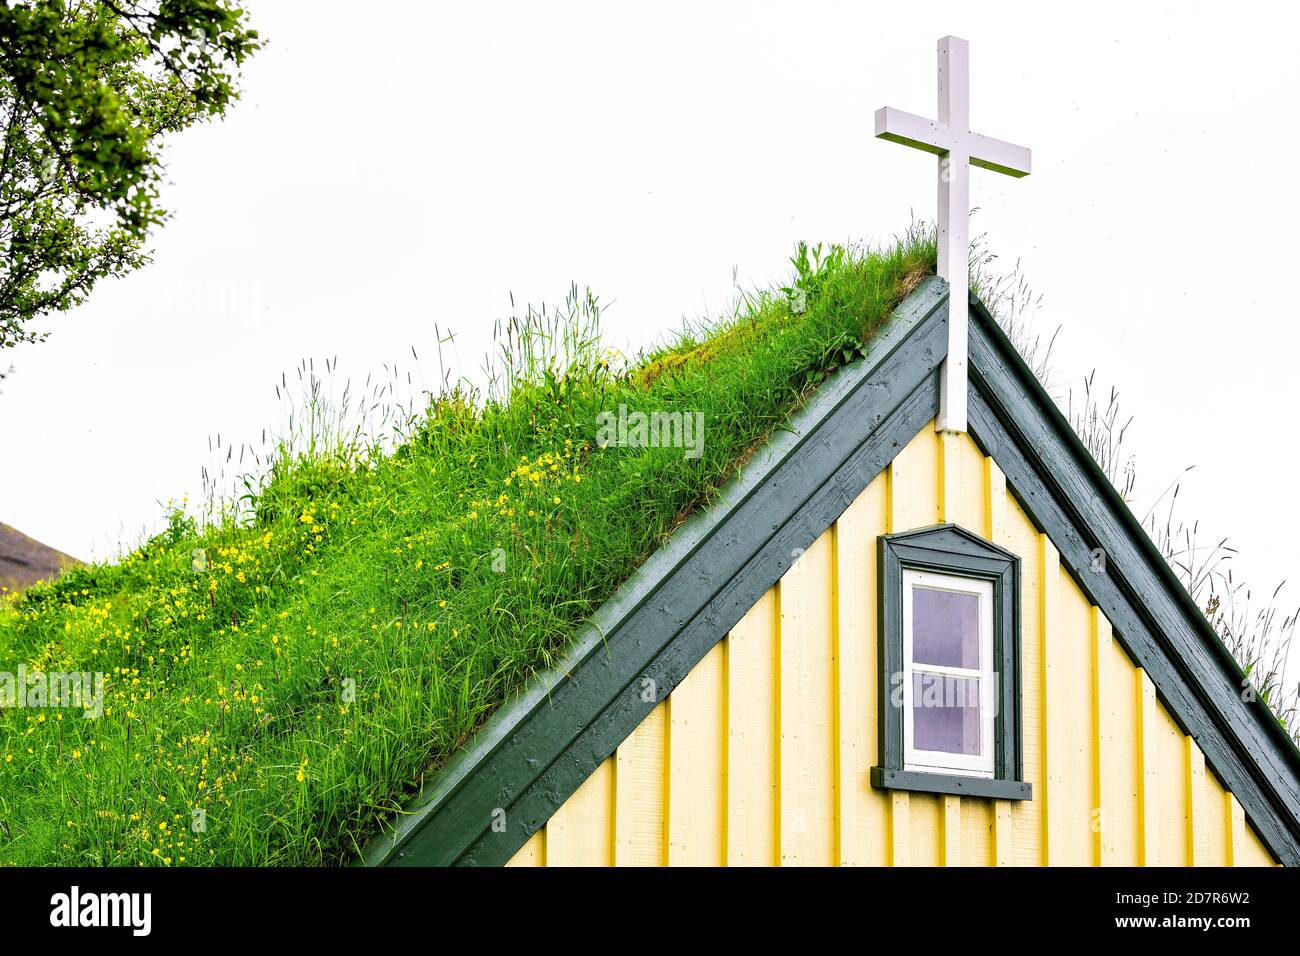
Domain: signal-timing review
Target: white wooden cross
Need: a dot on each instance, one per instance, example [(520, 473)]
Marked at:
[(957, 147)]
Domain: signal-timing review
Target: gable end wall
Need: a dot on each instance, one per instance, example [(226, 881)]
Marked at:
[(762, 755)]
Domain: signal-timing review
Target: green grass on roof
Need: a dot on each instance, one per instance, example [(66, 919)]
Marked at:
[(297, 677)]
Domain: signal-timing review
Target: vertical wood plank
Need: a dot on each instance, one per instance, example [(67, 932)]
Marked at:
[(778, 744), (925, 811), (1236, 823), (1070, 651), (952, 831), (609, 851), (696, 752), (972, 497), (1051, 686), (639, 793), (1171, 792), (995, 528), (532, 853), (950, 476), (900, 829), (1004, 837), (1244, 846), (836, 697), (863, 811), (723, 783), (978, 826), (807, 710), (1148, 772), (1101, 639), (581, 831), (1214, 822), (666, 784), (557, 837), (1022, 538), (752, 736), (1120, 791), (1195, 784), (1254, 850), (914, 481)]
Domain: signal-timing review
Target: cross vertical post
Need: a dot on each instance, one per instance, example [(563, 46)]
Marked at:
[(957, 148), (954, 231)]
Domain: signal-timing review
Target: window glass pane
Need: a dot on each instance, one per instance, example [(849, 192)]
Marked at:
[(946, 713), (945, 628)]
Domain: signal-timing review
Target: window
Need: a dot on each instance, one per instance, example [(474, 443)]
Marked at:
[(949, 637), (948, 674)]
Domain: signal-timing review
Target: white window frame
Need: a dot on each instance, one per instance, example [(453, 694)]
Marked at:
[(930, 761)]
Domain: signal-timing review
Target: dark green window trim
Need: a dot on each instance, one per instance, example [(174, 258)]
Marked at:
[(949, 549), (950, 783)]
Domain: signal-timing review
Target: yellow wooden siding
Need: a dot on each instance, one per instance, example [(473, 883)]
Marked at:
[(752, 734), (696, 772), (642, 793), (762, 755)]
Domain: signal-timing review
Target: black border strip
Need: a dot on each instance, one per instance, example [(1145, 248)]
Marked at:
[(534, 754), (1068, 497)]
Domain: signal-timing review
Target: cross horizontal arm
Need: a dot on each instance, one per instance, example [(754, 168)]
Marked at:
[(939, 138), (912, 130), (989, 153)]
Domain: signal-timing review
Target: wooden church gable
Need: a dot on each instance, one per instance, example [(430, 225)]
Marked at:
[(717, 575)]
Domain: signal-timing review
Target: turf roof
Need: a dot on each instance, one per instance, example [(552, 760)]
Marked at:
[(295, 673)]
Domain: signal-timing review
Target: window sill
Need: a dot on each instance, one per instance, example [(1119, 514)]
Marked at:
[(883, 778)]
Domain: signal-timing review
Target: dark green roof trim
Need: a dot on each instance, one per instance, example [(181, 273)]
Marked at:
[(532, 755), (1067, 495)]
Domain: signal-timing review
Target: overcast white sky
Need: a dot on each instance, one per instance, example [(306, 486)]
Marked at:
[(405, 164)]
